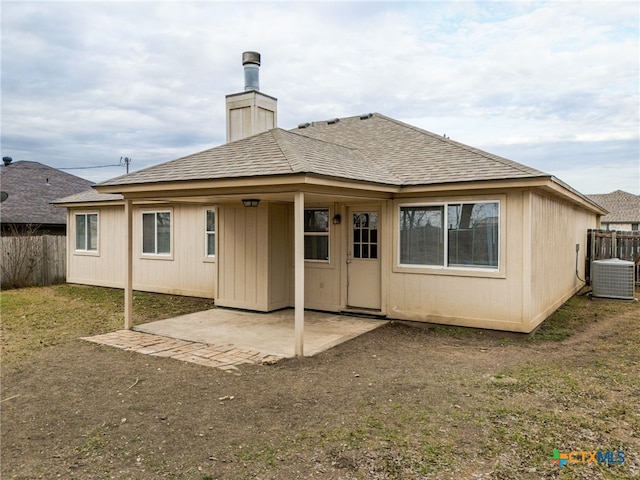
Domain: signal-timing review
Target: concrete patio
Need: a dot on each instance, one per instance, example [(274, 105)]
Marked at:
[(268, 333), (225, 339)]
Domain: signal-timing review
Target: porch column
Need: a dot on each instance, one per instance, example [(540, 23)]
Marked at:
[(298, 227), (128, 281)]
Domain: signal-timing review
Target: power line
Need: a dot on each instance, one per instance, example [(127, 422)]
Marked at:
[(92, 166), (124, 162)]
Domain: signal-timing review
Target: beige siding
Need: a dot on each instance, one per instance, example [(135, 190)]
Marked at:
[(254, 264), (243, 257), (322, 282), (557, 227), (239, 123), (250, 113), (465, 297), (257, 274), (265, 120), (538, 241), (322, 287), (280, 282), (186, 272), (106, 268)]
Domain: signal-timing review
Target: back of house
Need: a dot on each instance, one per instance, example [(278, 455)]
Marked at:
[(391, 220)]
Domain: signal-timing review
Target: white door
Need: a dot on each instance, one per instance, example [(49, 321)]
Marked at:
[(363, 259)]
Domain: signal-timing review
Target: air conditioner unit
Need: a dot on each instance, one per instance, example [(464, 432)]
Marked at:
[(612, 278)]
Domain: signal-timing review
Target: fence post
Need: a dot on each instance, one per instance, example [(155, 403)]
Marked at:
[(592, 253), (45, 261)]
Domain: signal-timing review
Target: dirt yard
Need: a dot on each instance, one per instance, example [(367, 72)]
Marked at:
[(401, 402)]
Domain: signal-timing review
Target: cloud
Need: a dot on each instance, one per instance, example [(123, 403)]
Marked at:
[(599, 166), (89, 84)]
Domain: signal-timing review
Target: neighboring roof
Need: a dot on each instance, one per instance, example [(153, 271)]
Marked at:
[(371, 148), (623, 207), (31, 187), (89, 196)]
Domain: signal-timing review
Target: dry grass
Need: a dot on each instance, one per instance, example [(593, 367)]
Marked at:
[(34, 318), (397, 403)]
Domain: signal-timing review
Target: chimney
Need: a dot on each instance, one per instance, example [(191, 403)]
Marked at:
[(250, 112), (251, 62), (7, 161)]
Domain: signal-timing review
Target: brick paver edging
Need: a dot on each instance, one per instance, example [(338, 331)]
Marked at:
[(224, 357)]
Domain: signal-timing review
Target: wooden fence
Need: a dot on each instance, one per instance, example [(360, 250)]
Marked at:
[(603, 244), (32, 260)]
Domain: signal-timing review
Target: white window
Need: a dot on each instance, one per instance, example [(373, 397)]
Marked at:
[(450, 235), (210, 232), (365, 235), (156, 233), (86, 232), (421, 235), (316, 234)]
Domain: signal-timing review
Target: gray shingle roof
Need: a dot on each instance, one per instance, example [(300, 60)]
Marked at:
[(90, 196), (377, 149), (623, 207), (274, 152), (416, 156), (30, 196)]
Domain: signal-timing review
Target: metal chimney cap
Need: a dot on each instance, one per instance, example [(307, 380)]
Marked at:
[(7, 161), (251, 57)]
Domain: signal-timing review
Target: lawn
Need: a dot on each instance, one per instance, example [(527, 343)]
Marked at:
[(401, 402)]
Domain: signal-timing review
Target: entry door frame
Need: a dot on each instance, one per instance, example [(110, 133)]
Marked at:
[(348, 259)]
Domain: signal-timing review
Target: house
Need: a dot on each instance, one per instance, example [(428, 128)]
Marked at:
[(28, 188), (624, 210), (364, 214), (32, 243)]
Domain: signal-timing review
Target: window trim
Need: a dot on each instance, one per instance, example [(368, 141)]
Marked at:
[(495, 272), (86, 251), (320, 234), (207, 257), (159, 256)]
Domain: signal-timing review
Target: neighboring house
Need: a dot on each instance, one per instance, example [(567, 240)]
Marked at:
[(363, 214), (32, 244), (28, 188), (623, 207)]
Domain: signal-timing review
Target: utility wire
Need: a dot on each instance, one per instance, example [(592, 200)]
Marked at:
[(124, 162), (93, 166)]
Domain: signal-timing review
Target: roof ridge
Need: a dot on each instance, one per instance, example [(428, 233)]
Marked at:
[(618, 193), (321, 140), (382, 168), (281, 132), (464, 146)]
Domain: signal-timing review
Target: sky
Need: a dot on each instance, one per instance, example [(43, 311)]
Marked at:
[(554, 85)]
